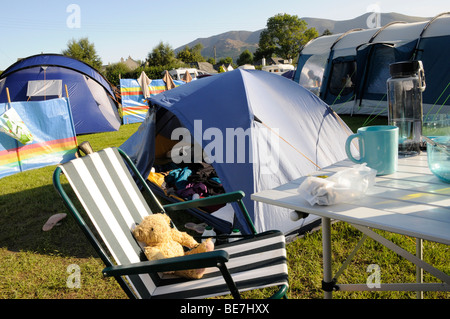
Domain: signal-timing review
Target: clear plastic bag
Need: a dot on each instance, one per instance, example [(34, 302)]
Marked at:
[(344, 186), (12, 125)]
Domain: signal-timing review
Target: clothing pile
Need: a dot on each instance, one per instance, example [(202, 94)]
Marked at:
[(188, 181)]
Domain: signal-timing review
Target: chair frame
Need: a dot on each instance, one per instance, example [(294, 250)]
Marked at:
[(217, 258)]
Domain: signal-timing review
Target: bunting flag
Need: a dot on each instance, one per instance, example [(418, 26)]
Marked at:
[(134, 105), (54, 138)]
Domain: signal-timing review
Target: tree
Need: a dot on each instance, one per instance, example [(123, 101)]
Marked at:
[(115, 72), (161, 55), (245, 57), (84, 51), (227, 60), (196, 52), (266, 48), (189, 55), (185, 55), (284, 36)]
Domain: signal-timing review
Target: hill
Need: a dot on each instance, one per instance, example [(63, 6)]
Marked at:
[(359, 22), (233, 43)]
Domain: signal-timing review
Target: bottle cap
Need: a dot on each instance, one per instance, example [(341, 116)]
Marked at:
[(405, 68)]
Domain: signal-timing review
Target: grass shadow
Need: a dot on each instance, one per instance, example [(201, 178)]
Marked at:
[(21, 227)]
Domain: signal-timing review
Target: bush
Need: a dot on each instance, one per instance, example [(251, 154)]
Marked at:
[(115, 71)]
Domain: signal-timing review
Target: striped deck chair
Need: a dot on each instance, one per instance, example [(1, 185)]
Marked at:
[(114, 203)]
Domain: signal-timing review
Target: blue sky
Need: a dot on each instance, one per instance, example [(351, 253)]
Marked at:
[(133, 28)]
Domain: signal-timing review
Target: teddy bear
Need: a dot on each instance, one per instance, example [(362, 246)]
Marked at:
[(163, 241)]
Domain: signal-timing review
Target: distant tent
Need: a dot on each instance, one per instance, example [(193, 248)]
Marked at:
[(54, 139), (257, 130), (289, 74), (44, 76), (349, 71)]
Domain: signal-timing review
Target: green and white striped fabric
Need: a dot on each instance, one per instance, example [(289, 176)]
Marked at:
[(113, 202)]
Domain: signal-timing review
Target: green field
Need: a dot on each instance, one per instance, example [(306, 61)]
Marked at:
[(34, 264)]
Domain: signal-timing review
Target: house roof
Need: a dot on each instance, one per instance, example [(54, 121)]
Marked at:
[(204, 66)]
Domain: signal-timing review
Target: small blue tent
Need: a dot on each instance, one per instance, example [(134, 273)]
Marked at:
[(44, 76), (258, 130)]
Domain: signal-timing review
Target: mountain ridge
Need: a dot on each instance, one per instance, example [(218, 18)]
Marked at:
[(233, 43)]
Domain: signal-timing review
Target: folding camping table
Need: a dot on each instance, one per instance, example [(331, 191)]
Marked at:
[(411, 202)]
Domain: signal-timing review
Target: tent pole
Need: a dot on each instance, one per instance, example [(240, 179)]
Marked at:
[(17, 143), (7, 94), (67, 95)]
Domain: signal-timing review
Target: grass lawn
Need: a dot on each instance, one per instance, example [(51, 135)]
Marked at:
[(36, 264)]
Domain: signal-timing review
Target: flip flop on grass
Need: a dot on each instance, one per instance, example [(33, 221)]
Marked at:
[(53, 221), (199, 228)]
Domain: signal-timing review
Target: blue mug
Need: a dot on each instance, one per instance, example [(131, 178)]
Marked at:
[(378, 147)]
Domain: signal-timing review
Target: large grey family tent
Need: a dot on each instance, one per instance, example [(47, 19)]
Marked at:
[(349, 71), (44, 76), (257, 130)]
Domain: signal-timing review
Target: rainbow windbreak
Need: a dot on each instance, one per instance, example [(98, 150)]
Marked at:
[(134, 105), (54, 138)]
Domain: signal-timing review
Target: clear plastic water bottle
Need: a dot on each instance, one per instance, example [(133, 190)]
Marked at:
[(209, 232), (405, 87), (235, 232)]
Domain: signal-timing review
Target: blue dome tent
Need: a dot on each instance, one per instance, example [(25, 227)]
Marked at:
[(44, 76), (258, 130)]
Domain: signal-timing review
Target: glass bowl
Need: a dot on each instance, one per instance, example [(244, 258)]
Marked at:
[(439, 157)]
